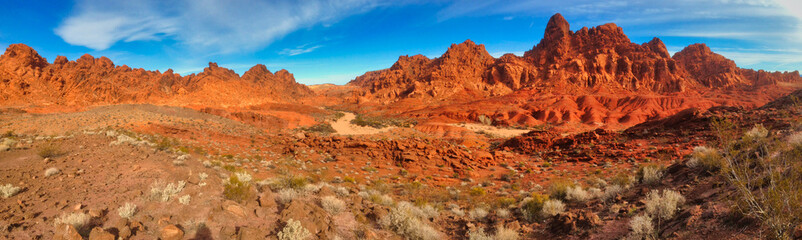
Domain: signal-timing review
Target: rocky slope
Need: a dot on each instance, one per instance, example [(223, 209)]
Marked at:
[(594, 76), (27, 78)]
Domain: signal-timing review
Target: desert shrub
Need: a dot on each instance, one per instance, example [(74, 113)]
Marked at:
[(380, 122), (202, 176), (379, 198), (237, 189), (49, 150), (502, 233), (505, 202), (127, 211), (428, 211), (766, 174), (485, 120), (184, 199), (9, 190), (611, 192), (650, 174), (503, 213), (479, 234), (294, 231), (663, 206), (341, 191), (294, 182), (642, 227), (286, 195), (622, 179), (207, 164), (51, 171), (332, 204), (756, 132), (78, 220), (577, 194), (457, 211), (161, 192), (322, 128), (706, 158), (478, 214), (404, 220), (558, 188), (478, 191), (532, 206), (795, 139), (552, 207), (595, 192)]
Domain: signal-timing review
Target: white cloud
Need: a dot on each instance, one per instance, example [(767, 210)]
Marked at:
[(216, 26), (299, 50)]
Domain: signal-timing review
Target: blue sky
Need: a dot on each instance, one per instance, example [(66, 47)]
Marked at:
[(333, 41)]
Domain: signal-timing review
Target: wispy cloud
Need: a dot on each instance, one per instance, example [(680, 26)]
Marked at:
[(209, 25), (299, 50)]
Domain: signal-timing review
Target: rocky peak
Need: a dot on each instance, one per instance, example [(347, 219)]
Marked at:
[(61, 60), (257, 72), (466, 52), (555, 43), (709, 68), (220, 72), (23, 55), (284, 74), (657, 46), (557, 28), (406, 62)]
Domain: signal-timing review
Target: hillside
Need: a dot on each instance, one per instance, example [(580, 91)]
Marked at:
[(594, 76)]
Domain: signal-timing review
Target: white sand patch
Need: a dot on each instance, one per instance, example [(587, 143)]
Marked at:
[(343, 126), (492, 130)]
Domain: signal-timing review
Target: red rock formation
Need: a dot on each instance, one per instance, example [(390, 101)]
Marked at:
[(708, 68), (591, 76), (26, 78)]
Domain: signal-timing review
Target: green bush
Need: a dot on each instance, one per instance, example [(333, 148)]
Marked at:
[(322, 128), (478, 191), (236, 190), (381, 122), (558, 188), (532, 206), (49, 150), (706, 158), (621, 179)]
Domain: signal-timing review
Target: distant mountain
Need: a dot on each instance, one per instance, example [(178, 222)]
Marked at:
[(27, 78)]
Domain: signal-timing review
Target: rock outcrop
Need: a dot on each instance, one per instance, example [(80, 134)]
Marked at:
[(27, 78), (595, 76)]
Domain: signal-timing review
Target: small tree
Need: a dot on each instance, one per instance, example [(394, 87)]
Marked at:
[(766, 174)]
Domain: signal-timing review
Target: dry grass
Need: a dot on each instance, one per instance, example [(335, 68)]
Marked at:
[(127, 211), (552, 207), (405, 219), (77, 220), (332, 204), (49, 150), (9, 190), (294, 231)]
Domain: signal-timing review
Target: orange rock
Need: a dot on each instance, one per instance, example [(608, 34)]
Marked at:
[(66, 232), (171, 232), (100, 234)]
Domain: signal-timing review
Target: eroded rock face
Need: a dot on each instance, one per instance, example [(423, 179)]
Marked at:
[(709, 69), (594, 76), (27, 78)]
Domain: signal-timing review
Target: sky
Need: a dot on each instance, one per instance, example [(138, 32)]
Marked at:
[(333, 41)]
